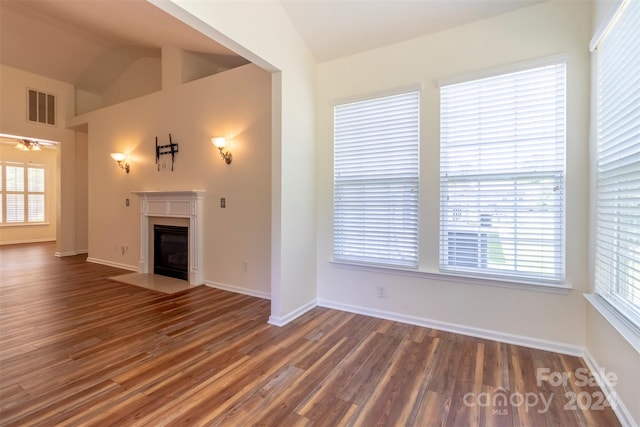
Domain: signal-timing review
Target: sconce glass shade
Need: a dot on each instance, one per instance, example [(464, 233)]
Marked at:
[(27, 145), (219, 141), (118, 157)]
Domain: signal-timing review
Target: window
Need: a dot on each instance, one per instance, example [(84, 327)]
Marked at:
[(376, 180), (502, 144), (617, 234), (23, 193)]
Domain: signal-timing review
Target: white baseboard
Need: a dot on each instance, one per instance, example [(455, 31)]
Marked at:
[(63, 254), (238, 290), (113, 264), (20, 242), (283, 320), (71, 253), (623, 414), (460, 329)]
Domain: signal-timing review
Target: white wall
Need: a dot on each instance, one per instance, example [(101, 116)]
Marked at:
[(13, 86), (263, 33), (235, 104), (608, 348), (543, 30)]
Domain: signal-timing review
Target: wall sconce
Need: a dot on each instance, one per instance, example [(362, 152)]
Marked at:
[(220, 142), (120, 157)]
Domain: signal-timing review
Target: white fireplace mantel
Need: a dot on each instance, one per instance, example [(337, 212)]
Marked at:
[(173, 204)]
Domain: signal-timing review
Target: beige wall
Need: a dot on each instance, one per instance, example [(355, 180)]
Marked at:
[(235, 104), (142, 77), (13, 84), (82, 193), (606, 345), (41, 232)]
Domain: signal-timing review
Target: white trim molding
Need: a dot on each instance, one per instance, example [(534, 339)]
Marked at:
[(71, 253), (521, 340), (112, 264), (173, 204), (65, 254), (238, 290), (616, 320), (283, 320), (21, 242), (621, 411)]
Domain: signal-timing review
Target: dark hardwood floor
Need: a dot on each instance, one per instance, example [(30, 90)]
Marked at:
[(79, 349)]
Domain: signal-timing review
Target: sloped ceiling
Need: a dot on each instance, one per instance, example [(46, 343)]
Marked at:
[(333, 29), (90, 42)]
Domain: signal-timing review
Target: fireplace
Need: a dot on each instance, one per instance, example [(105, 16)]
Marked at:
[(172, 208), (171, 251)]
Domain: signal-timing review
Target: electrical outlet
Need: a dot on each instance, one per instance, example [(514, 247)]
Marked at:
[(223, 202), (124, 249), (381, 291), (126, 202), (245, 265)]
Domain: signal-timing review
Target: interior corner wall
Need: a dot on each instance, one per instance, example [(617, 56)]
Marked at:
[(539, 31), (235, 104), (13, 121)]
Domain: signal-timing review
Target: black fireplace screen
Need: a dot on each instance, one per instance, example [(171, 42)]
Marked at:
[(170, 251)]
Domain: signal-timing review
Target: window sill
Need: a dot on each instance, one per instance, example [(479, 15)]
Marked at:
[(628, 332), (527, 286), (24, 224)]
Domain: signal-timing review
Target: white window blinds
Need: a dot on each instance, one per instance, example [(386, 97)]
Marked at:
[(14, 187), (35, 199), (617, 256), (502, 176), (22, 190), (376, 180)]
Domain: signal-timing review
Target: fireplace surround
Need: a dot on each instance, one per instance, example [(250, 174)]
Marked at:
[(181, 208)]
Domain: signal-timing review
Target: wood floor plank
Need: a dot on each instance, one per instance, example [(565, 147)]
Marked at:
[(79, 349)]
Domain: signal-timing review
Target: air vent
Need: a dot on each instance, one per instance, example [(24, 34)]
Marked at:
[(41, 107)]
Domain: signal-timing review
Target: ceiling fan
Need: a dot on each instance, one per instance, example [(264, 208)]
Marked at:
[(25, 144), (28, 145)]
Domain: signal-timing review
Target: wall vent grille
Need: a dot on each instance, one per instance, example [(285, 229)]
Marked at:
[(41, 107)]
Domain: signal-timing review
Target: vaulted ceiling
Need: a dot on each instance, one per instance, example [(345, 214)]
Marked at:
[(90, 42)]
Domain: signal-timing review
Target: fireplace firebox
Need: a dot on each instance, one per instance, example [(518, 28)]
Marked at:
[(170, 251)]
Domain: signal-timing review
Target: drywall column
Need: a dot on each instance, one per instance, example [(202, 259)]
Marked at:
[(82, 193), (263, 33), (66, 209)]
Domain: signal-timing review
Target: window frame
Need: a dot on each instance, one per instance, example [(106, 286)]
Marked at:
[(604, 297), (26, 192), (515, 277), (407, 255)]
